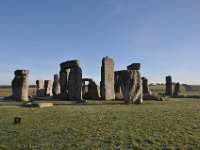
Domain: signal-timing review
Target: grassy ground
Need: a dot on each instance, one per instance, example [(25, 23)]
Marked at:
[(8, 91), (172, 124), (161, 89), (155, 89)]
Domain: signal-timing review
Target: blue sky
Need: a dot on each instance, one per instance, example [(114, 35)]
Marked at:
[(163, 35)]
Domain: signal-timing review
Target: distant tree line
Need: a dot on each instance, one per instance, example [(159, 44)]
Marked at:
[(9, 86)]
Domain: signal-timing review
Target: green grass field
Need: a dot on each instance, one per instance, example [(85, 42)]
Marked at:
[(8, 91), (170, 124), (161, 89)]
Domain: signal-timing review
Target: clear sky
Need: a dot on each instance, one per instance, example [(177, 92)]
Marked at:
[(163, 35)]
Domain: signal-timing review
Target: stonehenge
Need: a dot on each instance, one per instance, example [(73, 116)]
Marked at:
[(20, 85), (107, 79), (127, 85), (169, 86)]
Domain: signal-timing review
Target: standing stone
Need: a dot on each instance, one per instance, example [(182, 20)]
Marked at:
[(40, 88), (145, 84), (107, 79), (85, 87), (131, 84), (20, 85), (65, 69), (118, 88), (93, 91), (64, 77), (169, 85), (176, 90), (75, 84), (48, 87), (56, 86)]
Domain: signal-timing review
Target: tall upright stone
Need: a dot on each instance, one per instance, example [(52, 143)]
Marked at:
[(20, 85), (71, 80), (118, 88), (169, 85), (56, 86), (40, 88), (92, 91), (176, 90), (85, 86), (131, 84), (64, 77), (48, 85), (75, 84), (145, 84), (107, 79)]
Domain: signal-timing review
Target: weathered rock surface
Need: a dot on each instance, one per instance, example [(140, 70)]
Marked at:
[(169, 85), (75, 84), (145, 84), (70, 64), (64, 78), (20, 85), (48, 85), (56, 86), (93, 91), (40, 88), (31, 104), (134, 66), (43, 105), (107, 79), (153, 97), (118, 88), (176, 90), (70, 81), (131, 84)]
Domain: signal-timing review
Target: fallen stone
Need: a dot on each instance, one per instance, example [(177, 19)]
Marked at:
[(153, 97), (30, 104), (43, 105)]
